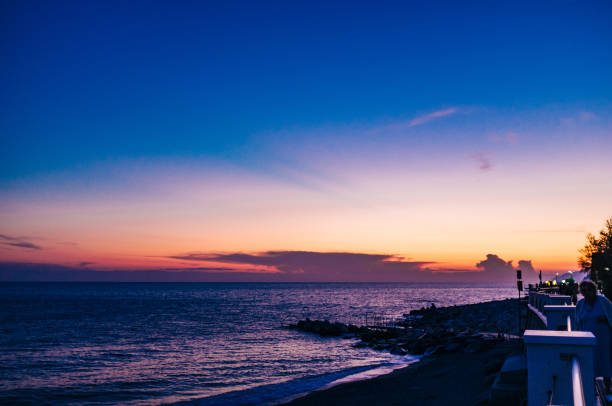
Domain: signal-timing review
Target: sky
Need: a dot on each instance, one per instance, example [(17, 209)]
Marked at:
[(315, 141)]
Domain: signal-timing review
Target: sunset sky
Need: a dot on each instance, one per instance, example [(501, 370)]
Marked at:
[(335, 142)]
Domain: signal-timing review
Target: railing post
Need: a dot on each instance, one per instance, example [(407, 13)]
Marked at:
[(557, 316), (533, 295), (559, 300), (550, 366)]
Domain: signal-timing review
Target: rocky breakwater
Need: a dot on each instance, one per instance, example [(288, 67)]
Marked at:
[(325, 328), (499, 316), (466, 328)]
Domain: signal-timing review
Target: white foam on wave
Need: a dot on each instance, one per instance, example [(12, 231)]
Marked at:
[(283, 392), (402, 362), (373, 373)]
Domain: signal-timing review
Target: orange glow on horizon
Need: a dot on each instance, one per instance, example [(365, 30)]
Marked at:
[(451, 217)]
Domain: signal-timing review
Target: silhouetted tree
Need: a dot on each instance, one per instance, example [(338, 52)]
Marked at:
[(597, 258)]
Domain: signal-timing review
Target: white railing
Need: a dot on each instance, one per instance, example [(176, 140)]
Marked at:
[(577, 382), (558, 361), (549, 311), (576, 375)]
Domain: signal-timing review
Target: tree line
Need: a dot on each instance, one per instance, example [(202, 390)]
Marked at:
[(596, 257)]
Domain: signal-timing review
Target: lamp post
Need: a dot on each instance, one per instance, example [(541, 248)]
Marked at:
[(540, 279), (519, 286)]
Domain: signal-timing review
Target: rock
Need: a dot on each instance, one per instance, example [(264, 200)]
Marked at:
[(340, 327), (433, 350), (431, 331), (459, 338), (452, 347), (398, 351), (324, 328), (473, 347), (353, 328), (418, 349)]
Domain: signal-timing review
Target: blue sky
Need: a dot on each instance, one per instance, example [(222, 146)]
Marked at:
[(91, 81)]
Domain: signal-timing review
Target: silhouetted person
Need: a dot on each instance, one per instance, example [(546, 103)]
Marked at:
[(574, 294), (594, 314)]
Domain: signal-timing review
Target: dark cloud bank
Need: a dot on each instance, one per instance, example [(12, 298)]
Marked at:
[(17, 242), (288, 266)]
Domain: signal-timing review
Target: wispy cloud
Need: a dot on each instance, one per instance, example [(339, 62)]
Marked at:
[(416, 121), (569, 122), (581, 117), (484, 164), (431, 116), (510, 137), (18, 242), (213, 269), (586, 116)]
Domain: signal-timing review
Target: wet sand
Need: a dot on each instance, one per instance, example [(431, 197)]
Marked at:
[(446, 379)]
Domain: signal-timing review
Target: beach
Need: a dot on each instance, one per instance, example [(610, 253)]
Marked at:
[(464, 346), (451, 378)]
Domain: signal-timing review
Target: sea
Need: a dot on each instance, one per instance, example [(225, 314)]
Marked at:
[(196, 343)]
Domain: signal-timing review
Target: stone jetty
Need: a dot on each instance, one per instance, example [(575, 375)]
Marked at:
[(465, 328)]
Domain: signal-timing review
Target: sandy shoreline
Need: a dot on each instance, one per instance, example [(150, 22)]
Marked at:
[(459, 367), (448, 378), (352, 378)]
